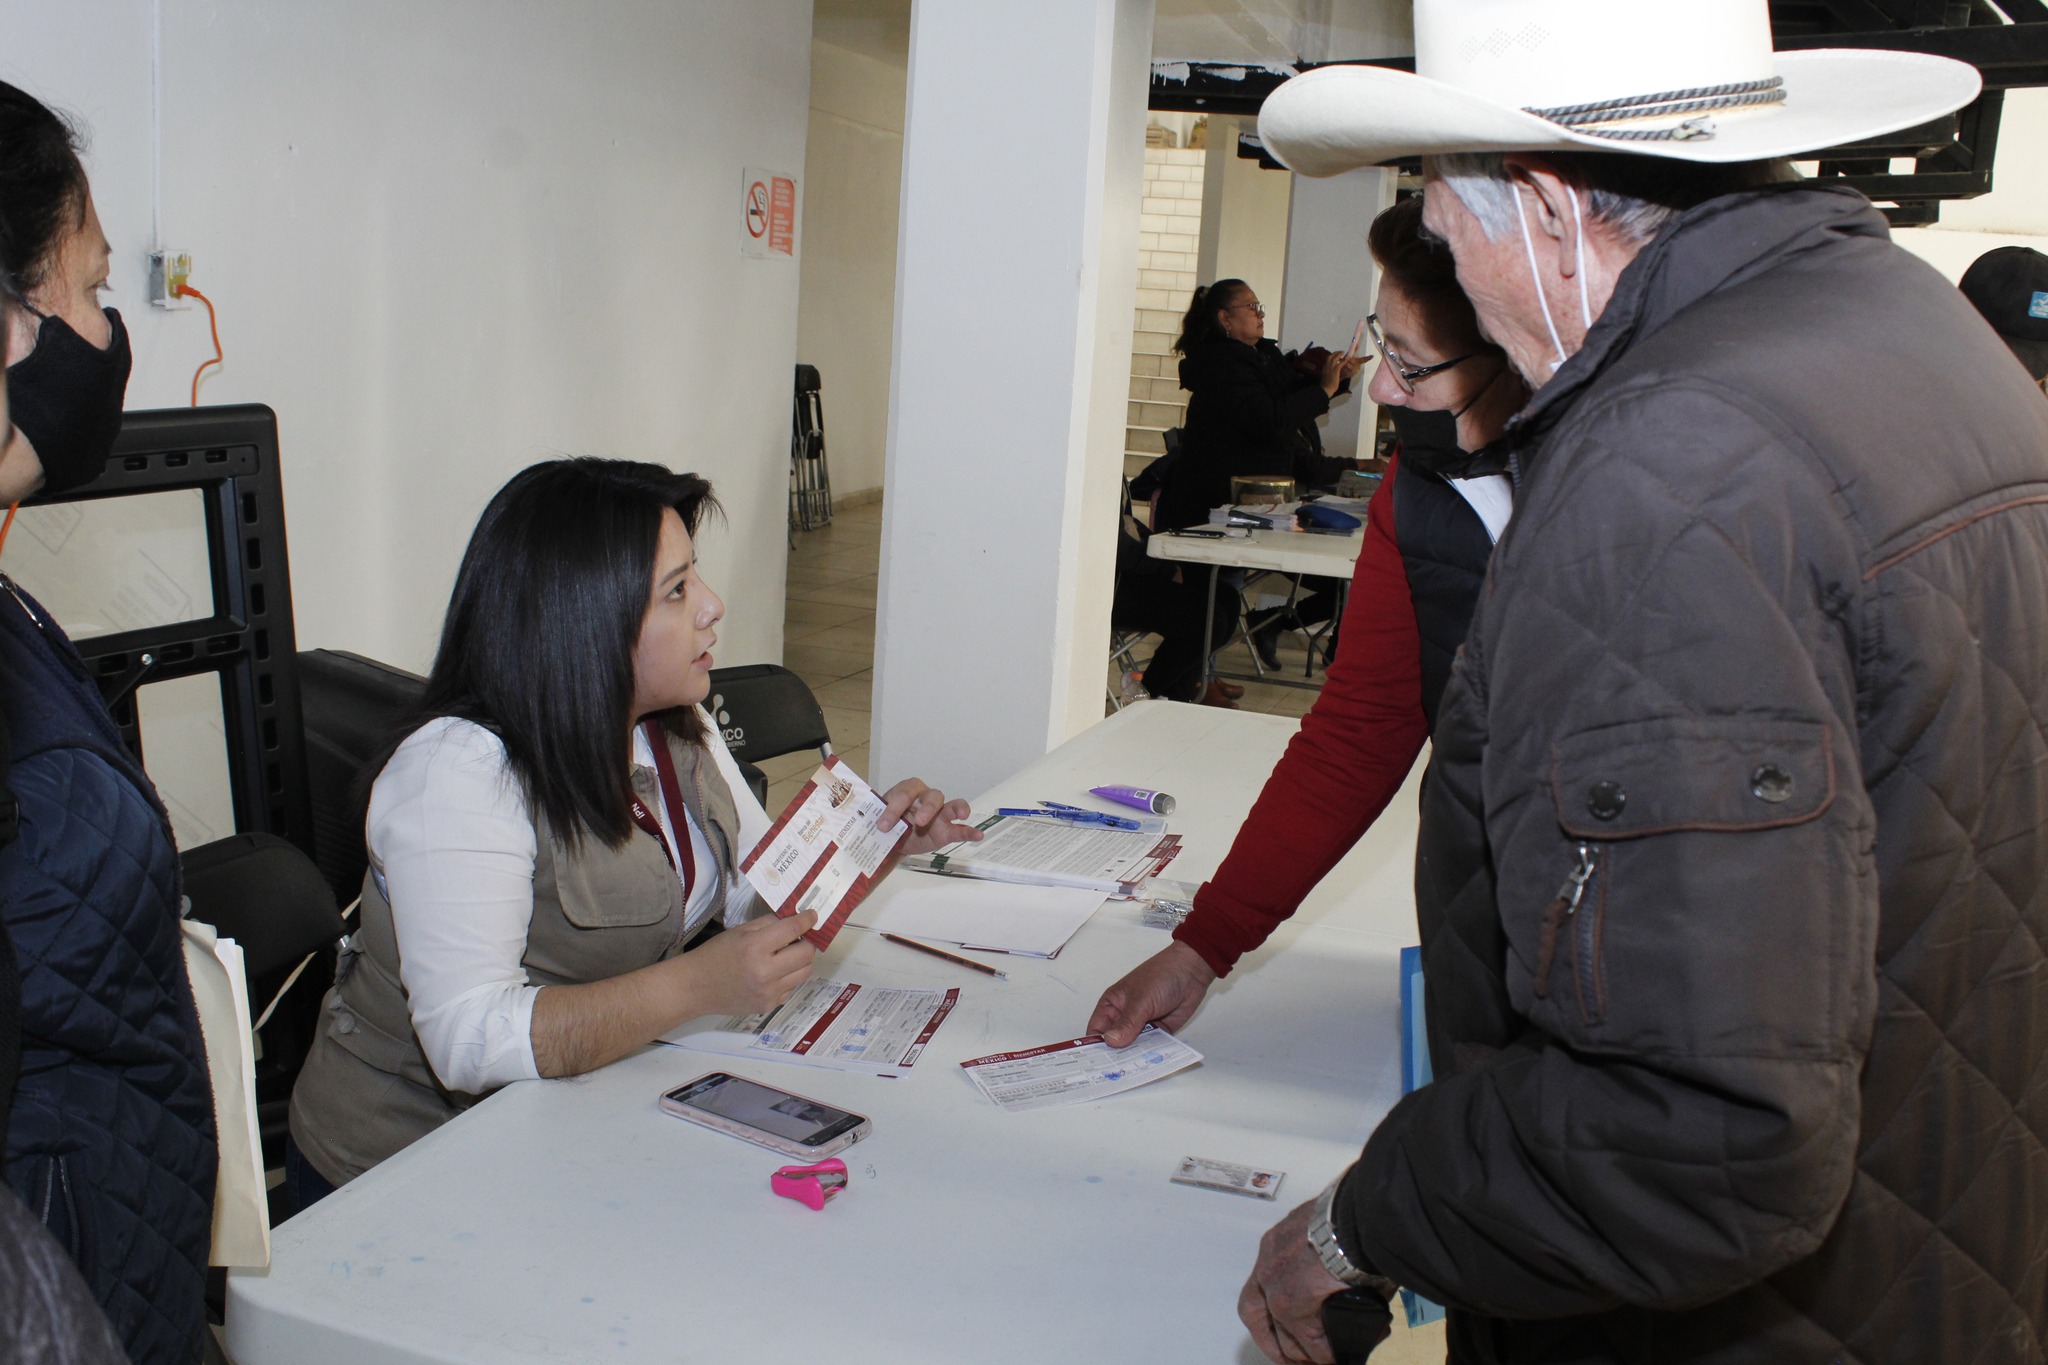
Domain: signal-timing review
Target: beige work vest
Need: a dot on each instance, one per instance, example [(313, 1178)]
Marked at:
[(367, 1090)]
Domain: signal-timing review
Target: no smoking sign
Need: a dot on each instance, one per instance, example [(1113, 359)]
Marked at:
[(767, 213)]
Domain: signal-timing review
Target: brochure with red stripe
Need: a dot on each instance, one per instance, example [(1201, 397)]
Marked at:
[(841, 1025), (825, 852), (1077, 1070)]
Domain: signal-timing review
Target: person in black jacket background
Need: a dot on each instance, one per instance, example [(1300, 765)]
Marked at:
[(1252, 411)]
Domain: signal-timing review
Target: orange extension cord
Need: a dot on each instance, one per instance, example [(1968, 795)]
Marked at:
[(8, 525), (212, 321)]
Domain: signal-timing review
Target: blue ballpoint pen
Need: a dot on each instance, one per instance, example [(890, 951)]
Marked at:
[(1074, 815)]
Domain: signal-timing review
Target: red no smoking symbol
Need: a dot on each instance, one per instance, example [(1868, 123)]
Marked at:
[(757, 209)]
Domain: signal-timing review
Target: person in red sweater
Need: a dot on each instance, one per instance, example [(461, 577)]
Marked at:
[(1427, 534)]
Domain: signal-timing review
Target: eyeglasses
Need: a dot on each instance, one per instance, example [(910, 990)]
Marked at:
[(1404, 376), (1258, 308)]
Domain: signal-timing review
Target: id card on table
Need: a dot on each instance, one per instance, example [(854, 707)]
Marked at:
[(1228, 1176), (825, 852), (1078, 1069)]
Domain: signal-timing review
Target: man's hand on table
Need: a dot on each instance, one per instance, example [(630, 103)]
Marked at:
[(1165, 989), (1282, 1302)]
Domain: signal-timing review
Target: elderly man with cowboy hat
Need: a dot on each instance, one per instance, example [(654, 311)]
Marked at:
[(1733, 866)]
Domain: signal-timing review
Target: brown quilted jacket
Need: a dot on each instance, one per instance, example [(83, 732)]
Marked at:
[(1763, 658)]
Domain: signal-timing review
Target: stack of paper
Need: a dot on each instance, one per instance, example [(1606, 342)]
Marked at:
[(1039, 852), (840, 1025), (1031, 921)]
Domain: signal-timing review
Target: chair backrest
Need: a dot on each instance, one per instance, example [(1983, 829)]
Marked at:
[(352, 707), (226, 459), (764, 710)]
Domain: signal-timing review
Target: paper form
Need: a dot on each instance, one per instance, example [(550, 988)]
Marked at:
[(824, 852), (840, 1025), (1054, 853), (1077, 1070)]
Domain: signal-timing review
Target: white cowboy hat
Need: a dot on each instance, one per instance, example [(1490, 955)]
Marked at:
[(1695, 81)]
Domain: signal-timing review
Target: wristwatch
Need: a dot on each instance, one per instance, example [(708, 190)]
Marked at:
[(1322, 1239)]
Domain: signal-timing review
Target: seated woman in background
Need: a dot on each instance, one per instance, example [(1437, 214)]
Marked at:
[(554, 846), (1251, 412), (1429, 533)]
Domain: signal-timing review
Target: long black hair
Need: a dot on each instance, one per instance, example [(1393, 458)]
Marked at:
[(538, 642), (1198, 324), (42, 188)]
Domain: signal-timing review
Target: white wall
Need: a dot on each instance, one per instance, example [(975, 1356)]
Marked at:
[(1244, 220), (846, 311), (1331, 283), (448, 240)]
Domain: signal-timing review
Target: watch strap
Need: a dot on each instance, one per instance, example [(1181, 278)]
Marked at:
[(1322, 1239)]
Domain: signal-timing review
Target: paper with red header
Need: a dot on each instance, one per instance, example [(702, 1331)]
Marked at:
[(824, 853), (1078, 1070), (1037, 851), (840, 1025)]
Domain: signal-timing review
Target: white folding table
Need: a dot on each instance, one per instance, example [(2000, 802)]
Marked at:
[(572, 1221), (1308, 553)]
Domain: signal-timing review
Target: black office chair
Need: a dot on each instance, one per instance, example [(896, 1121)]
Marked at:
[(352, 706), (765, 711)]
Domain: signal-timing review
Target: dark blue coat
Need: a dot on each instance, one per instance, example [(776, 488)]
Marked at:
[(111, 1141)]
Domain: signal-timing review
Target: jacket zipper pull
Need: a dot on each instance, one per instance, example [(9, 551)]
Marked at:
[(1558, 913)]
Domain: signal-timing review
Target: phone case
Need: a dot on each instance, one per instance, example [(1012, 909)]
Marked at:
[(786, 1146)]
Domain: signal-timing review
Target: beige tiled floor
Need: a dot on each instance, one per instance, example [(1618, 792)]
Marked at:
[(829, 640)]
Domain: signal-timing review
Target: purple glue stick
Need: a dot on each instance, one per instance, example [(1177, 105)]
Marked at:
[(1158, 803)]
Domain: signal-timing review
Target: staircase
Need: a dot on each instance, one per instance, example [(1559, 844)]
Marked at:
[(1169, 236)]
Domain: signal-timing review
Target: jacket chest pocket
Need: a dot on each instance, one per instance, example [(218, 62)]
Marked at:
[(599, 912), (1622, 792)]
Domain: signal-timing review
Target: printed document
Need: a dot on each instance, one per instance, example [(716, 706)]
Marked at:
[(840, 1025), (1077, 1070), (824, 853), (1040, 852)]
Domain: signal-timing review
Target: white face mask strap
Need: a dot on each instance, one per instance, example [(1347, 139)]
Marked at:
[(1536, 278), (1579, 227)]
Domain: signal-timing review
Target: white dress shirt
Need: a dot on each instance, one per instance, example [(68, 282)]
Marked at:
[(451, 843)]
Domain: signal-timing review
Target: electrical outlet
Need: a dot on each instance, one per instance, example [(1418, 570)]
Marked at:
[(168, 271)]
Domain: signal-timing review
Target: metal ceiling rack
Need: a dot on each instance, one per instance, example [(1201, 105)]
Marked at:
[(2006, 40)]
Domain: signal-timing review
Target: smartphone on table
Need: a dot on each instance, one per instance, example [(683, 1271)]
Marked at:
[(794, 1125)]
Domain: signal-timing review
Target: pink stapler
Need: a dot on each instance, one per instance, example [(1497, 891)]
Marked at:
[(812, 1186)]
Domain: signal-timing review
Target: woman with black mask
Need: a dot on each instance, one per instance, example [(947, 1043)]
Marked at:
[(110, 1142), (68, 358)]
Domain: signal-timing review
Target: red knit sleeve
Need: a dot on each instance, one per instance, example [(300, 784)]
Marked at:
[(1351, 755)]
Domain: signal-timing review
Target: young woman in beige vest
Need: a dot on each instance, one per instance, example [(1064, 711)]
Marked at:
[(555, 844)]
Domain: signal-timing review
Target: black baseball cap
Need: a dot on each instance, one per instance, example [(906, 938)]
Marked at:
[(2009, 286)]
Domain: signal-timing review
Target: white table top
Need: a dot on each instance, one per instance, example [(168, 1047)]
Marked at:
[(1301, 552), (573, 1221)]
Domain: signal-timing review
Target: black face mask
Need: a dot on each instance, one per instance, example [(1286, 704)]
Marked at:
[(66, 398)]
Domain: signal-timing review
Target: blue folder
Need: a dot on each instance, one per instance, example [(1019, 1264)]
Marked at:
[(1415, 1074)]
